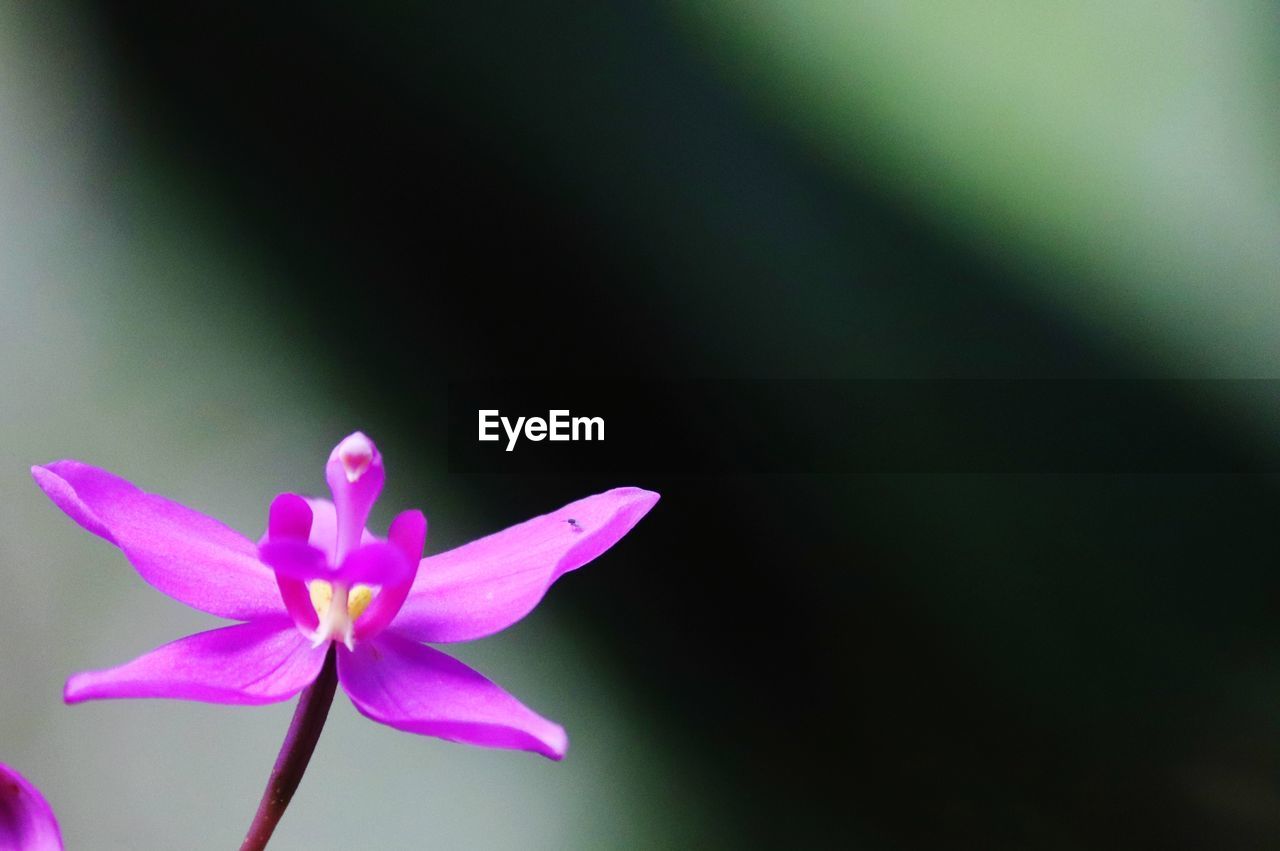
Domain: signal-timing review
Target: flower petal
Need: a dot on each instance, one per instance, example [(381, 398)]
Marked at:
[(295, 560), (290, 519), (405, 685), (376, 564), (408, 533), (190, 557), (27, 822), (251, 663), (487, 585)]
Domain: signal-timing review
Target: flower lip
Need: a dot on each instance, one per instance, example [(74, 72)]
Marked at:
[(355, 475), (356, 453)]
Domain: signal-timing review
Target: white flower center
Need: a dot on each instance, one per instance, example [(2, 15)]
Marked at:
[(338, 607)]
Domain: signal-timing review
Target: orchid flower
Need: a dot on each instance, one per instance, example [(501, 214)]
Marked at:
[(319, 584), (26, 819)]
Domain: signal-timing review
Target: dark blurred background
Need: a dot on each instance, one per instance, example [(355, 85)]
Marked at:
[(431, 193)]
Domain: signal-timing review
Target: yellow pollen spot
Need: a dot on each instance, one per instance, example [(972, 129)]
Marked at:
[(322, 595), (361, 597)]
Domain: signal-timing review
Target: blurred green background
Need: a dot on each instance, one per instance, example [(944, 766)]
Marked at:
[(232, 235)]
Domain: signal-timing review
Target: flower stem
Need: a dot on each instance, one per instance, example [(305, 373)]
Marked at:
[(295, 753)]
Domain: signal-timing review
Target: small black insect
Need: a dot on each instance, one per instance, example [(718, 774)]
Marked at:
[(574, 524)]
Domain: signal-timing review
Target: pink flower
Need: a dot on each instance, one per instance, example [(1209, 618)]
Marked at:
[(319, 577), (26, 819)]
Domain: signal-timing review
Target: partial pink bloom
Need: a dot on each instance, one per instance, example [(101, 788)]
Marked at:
[(319, 576), (27, 822)]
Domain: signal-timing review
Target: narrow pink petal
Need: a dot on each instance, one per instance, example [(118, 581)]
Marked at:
[(251, 663), (405, 685), (376, 564), (294, 566), (295, 559), (408, 533), (297, 600), (190, 557), (290, 519), (487, 585), (27, 822)]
